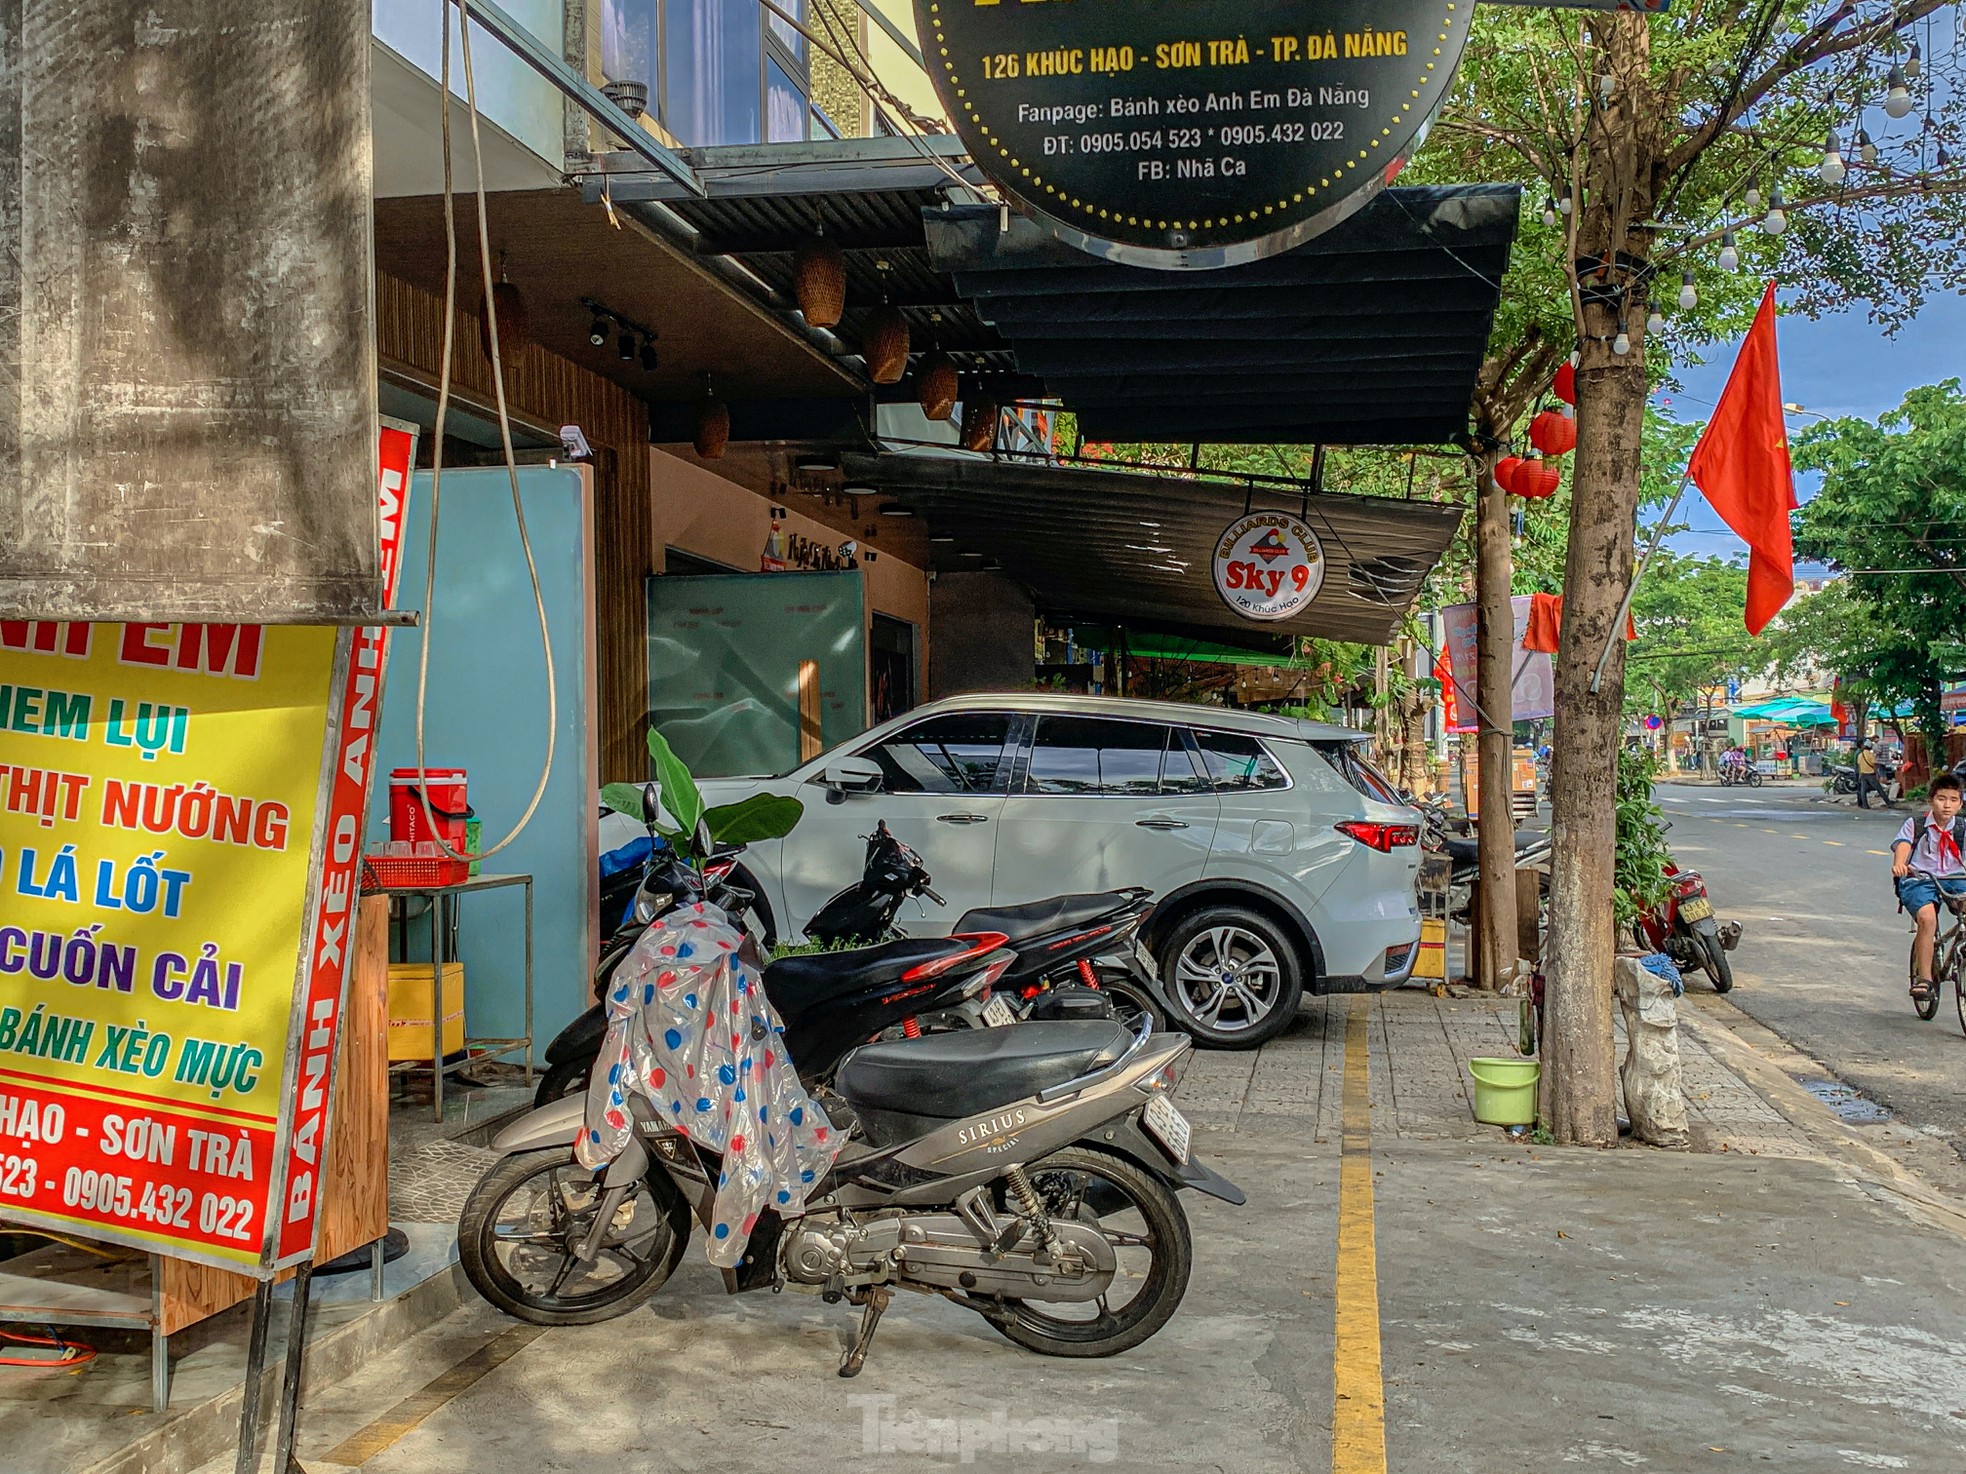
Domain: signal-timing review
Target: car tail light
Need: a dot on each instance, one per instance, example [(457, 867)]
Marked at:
[(979, 943), (1383, 837)]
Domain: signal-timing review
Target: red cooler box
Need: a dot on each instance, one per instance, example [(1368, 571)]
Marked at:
[(448, 805)]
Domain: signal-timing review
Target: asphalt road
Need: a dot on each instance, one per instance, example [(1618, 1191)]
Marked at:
[(1822, 960)]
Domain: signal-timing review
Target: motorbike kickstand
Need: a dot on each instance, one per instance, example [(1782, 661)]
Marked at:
[(878, 1297)]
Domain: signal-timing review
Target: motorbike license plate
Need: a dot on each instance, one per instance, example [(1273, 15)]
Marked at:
[(997, 1014), (1169, 1127), (1695, 908)]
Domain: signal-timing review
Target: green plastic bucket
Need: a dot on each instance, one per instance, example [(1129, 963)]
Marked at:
[(1505, 1090)]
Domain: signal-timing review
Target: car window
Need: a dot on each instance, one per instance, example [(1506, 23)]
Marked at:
[(1111, 758), (1179, 772), (959, 753), (1237, 764), (1345, 757)]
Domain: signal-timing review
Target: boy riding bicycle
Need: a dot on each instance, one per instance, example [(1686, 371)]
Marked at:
[(1933, 842)]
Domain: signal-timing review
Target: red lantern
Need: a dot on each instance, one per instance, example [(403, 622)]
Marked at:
[(1536, 478), (1505, 470), (1552, 433), (1565, 387)]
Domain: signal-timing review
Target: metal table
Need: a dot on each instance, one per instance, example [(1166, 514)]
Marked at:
[(444, 926)]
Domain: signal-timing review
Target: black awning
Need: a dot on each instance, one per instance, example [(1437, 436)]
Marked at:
[(1371, 334), (1130, 549)]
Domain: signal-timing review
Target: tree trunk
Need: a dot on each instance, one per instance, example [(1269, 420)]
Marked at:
[(1578, 1056), (1494, 678)]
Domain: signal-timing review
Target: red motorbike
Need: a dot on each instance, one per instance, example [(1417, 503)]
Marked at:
[(1683, 927)]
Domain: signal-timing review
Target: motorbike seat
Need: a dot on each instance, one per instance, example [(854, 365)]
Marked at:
[(967, 1071), (795, 984), (1039, 918), (1468, 851)]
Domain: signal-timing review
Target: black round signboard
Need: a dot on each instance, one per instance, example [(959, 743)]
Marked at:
[(1191, 133)]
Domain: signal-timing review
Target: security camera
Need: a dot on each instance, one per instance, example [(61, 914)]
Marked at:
[(574, 443), (849, 548)]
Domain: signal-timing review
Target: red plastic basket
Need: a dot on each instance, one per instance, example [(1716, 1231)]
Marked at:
[(405, 872)]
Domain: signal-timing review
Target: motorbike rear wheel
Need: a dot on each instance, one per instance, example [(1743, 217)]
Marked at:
[(1141, 1218), (521, 1227)]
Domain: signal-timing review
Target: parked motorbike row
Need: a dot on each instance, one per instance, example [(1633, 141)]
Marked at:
[(999, 1098)]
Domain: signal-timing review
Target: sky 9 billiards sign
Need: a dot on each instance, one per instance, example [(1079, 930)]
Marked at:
[(1268, 565), (1191, 133)]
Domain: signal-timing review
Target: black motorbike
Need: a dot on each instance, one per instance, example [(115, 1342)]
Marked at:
[(1078, 956), (1048, 974)]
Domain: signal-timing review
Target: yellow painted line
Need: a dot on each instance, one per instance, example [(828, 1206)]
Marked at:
[(1806, 836), (1771, 831), (1874, 852), (1358, 1414), (359, 1447), (1837, 842)]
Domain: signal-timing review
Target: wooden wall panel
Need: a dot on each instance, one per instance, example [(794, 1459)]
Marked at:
[(548, 391)]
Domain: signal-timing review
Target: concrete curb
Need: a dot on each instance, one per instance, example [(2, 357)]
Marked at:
[(204, 1431), (1729, 1039)]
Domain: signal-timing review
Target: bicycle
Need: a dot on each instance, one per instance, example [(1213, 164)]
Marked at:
[(1948, 956)]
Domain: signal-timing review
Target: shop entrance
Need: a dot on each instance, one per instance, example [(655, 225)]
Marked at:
[(890, 668)]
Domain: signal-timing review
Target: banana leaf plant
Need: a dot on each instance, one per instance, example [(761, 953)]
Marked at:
[(699, 829)]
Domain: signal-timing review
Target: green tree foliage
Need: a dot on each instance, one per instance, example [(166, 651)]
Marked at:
[(1892, 515), (1690, 634), (1640, 874)]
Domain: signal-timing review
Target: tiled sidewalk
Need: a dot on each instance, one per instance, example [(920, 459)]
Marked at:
[(1420, 1085)]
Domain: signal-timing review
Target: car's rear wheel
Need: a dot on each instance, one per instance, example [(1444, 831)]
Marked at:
[(1232, 976)]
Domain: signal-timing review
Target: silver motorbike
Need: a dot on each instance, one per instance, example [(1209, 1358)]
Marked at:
[(1028, 1174)]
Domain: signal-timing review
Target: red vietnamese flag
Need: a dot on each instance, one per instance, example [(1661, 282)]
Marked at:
[(1742, 465)]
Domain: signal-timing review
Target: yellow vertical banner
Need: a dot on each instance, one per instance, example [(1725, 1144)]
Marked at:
[(159, 788)]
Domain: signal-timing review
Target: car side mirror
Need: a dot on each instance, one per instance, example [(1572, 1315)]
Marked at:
[(844, 775)]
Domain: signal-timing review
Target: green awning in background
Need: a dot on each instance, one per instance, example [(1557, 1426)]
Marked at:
[(1174, 647)]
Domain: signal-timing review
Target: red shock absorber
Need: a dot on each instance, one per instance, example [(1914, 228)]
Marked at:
[(1086, 974), (911, 1027)]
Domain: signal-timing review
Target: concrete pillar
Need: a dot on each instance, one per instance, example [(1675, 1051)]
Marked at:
[(187, 362)]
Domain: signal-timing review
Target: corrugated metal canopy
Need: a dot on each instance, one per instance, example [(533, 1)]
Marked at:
[(1371, 334), (1130, 549)]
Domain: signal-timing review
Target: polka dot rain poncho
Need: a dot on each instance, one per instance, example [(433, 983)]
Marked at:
[(691, 1032)]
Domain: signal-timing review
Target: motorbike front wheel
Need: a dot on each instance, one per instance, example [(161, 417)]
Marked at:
[(1753, 778), (1142, 1219), (518, 1240)]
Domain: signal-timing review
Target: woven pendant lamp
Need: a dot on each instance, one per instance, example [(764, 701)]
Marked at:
[(712, 424), (513, 332), (819, 281), (935, 385), (979, 430)]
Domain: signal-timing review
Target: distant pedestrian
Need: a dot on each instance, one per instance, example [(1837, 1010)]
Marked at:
[(1867, 775)]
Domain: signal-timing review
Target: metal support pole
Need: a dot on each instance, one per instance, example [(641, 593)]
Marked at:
[(249, 1410), (1625, 609), (437, 1005), (283, 1444), (529, 1040)]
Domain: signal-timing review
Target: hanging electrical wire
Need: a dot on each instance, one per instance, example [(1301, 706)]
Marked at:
[(504, 435)]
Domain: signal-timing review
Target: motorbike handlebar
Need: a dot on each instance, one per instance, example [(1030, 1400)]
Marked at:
[(930, 893)]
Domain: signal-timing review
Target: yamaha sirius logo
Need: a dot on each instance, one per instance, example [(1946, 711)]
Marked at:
[(983, 1130)]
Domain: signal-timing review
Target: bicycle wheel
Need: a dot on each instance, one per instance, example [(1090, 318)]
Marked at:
[(1956, 970)]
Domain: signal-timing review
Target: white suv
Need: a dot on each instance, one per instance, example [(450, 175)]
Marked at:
[(1280, 862)]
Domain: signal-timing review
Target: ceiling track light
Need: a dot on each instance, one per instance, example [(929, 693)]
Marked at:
[(650, 360), (597, 332)]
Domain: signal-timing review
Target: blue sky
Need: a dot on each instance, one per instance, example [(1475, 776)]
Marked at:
[(1840, 365)]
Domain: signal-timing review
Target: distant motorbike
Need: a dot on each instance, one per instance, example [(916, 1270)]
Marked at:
[(1740, 775), (1683, 927)]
